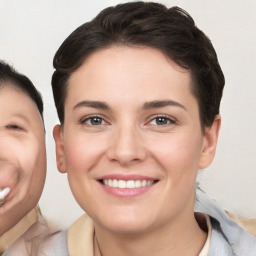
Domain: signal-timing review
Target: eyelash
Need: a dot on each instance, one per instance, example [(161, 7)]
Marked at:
[(90, 118), (170, 121), (13, 127)]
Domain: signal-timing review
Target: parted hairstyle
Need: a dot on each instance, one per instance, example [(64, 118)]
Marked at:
[(169, 30), (9, 75)]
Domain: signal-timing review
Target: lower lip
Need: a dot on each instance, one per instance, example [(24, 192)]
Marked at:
[(126, 192)]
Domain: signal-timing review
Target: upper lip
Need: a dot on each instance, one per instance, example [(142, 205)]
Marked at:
[(7, 183), (2, 186)]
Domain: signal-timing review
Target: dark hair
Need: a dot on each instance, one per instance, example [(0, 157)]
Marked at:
[(172, 31), (9, 75)]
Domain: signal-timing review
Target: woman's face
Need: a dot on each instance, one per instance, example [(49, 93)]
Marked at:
[(132, 140)]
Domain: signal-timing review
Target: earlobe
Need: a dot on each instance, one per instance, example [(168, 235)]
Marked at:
[(59, 146), (210, 143)]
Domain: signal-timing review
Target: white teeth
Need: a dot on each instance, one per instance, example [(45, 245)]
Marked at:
[(4, 192), (143, 183), (110, 183), (130, 184), (121, 184), (137, 183), (115, 183), (127, 183)]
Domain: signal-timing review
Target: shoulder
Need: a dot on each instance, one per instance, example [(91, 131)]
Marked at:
[(54, 245), (247, 224), (228, 238), (78, 237), (28, 242)]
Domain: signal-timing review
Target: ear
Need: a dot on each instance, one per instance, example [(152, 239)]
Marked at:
[(59, 146), (209, 143)]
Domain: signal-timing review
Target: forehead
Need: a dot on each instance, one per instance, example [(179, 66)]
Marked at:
[(14, 102), (121, 71), (13, 92)]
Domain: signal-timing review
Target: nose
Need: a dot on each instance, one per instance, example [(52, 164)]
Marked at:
[(126, 146)]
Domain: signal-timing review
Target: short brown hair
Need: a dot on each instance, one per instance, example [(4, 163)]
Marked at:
[(9, 75), (170, 30)]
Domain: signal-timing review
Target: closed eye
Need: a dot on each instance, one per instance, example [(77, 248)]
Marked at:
[(14, 127)]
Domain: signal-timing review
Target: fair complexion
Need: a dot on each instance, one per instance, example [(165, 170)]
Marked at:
[(131, 145), (22, 155)]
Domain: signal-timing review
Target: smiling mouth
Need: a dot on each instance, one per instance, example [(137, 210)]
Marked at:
[(115, 183), (4, 192)]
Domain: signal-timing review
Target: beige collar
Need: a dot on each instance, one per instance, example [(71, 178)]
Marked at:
[(81, 237), (206, 247), (19, 229)]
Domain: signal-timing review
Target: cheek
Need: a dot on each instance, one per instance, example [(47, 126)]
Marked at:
[(82, 152), (36, 171), (178, 158), (20, 153), (178, 154), (39, 163), (34, 168), (33, 161)]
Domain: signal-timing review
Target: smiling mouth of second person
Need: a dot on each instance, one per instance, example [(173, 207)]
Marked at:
[(116, 183), (4, 192)]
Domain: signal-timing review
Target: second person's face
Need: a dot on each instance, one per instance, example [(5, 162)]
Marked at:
[(132, 140), (22, 155)]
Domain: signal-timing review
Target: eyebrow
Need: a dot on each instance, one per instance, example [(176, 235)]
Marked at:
[(162, 103), (92, 104), (23, 117), (146, 105)]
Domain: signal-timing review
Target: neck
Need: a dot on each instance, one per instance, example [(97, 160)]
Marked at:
[(179, 238)]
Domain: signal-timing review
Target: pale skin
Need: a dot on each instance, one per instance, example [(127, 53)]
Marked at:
[(130, 115), (22, 155)]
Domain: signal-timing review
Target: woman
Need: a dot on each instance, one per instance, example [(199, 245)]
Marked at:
[(137, 92)]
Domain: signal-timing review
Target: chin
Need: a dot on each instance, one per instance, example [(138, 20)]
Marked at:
[(127, 228), (125, 223)]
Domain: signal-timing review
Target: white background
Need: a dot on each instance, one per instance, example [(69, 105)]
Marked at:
[(31, 32)]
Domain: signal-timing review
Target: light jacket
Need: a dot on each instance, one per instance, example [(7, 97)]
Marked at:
[(227, 237)]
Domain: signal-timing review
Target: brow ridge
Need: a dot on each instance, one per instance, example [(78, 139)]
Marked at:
[(161, 103), (146, 105), (92, 104)]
